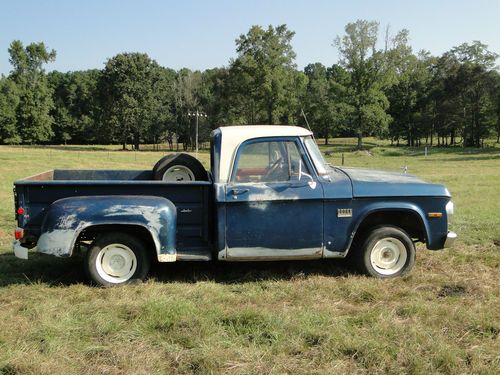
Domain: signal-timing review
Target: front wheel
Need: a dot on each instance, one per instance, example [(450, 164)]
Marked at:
[(116, 258), (386, 252)]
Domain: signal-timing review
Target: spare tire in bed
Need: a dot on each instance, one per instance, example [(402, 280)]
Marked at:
[(179, 167)]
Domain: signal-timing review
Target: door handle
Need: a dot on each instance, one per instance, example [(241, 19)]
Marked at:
[(238, 191)]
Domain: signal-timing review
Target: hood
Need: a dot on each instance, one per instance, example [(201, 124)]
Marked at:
[(373, 183)]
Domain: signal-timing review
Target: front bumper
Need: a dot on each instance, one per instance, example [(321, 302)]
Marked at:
[(19, 251), (450, 239)]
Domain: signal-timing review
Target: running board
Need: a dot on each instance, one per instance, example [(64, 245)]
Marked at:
[(195, 254)]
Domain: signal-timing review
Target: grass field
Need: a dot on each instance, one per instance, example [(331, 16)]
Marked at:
[(260, 318)]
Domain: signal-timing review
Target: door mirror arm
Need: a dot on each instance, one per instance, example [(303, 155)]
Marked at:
[(310, 179)]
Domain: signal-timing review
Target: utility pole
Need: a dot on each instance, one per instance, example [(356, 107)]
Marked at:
[(197, 114)]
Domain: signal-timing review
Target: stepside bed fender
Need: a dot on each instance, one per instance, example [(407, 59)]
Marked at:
[(66, 218)]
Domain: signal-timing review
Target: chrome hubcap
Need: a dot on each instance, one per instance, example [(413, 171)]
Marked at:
[(178, 173), (116, 263), (388, 256)]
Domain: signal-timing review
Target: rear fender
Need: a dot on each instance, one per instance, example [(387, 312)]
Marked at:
[(67, 218)]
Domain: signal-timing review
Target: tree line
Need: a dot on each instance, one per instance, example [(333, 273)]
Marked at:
[(378, 87)]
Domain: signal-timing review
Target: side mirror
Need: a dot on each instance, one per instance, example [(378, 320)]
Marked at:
[(311, 181)]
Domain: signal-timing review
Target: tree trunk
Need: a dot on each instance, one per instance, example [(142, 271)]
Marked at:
[(270, 116), (360, 132), (360, 141), (136, 141)]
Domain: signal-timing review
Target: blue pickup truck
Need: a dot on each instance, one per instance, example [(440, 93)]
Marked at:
[(268, 195)]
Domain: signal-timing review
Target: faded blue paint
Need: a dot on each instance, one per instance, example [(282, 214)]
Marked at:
[(67, 218), (233, 220), (283, 218), (380, 191), (373, 183)]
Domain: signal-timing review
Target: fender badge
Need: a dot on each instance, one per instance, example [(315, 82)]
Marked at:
[(344, 212)]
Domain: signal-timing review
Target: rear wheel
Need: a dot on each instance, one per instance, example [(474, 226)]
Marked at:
[(116, 258), (386, 252)]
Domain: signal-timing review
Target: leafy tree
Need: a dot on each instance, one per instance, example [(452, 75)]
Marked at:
[(127, 89), (292, 104), (263, 74), (75, 105), (317, 100), (35, 96), (463, 90), (214, 97), (162, 117), (475, 80), (9, 100), (408, 93), (496, 100), (365, 64), (186, 100)]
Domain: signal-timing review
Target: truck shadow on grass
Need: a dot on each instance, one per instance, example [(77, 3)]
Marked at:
[(40, 268), (65, 272), (242, 272)]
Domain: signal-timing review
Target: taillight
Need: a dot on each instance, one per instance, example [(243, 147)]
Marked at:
[(20, 211), (19, 233)]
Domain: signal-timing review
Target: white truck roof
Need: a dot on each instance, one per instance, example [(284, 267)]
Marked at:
[(233, 136)]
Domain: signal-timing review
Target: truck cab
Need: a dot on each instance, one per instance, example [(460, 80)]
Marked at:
[(268, 195)]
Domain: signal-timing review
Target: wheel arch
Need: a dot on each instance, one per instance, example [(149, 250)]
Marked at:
[(410, 219), (138, 230)]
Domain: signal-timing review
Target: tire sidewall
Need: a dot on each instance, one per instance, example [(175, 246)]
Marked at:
[(378, 234), (185, 160), (137, 247)]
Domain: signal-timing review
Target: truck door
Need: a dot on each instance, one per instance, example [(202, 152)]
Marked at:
[(274, 203)]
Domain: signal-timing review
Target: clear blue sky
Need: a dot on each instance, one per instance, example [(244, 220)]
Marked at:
[(201, 34)]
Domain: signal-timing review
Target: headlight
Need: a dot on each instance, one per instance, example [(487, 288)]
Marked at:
[(450, 208)]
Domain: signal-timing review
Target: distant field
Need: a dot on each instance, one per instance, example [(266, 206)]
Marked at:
[(260, 318)]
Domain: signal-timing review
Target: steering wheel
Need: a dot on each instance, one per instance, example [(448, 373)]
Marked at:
[(273, 169)]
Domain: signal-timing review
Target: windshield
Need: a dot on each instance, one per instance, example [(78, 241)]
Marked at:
[(315, 155)]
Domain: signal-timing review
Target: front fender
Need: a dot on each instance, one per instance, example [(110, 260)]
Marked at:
[(386, 206), (67, 218)]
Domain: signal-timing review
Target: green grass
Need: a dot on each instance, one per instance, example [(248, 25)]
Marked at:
[(260, 318)]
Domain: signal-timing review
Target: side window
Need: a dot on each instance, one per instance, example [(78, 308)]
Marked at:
[(269, 162)]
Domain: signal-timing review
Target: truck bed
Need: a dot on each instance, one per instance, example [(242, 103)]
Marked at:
[(192, 199)]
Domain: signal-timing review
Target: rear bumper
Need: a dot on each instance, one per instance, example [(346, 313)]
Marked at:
[(19, 251), (450, 239)]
